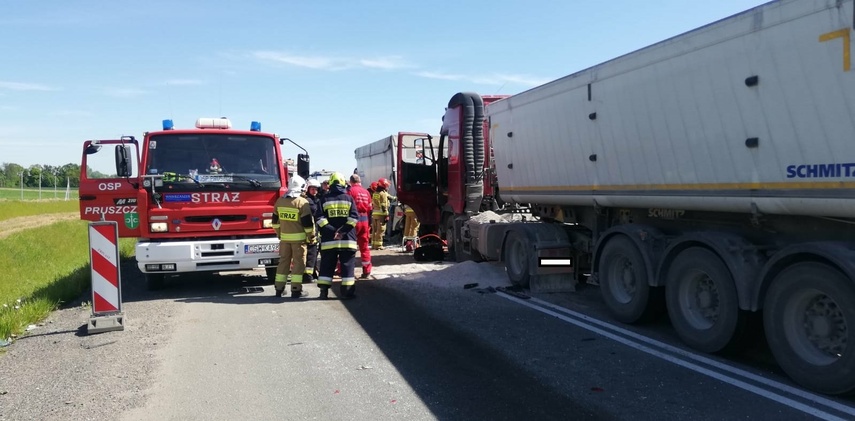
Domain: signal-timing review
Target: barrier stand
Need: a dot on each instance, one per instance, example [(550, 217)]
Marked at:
[(106, 278)]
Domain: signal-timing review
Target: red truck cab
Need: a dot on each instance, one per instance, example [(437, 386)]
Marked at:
[(199, 200)]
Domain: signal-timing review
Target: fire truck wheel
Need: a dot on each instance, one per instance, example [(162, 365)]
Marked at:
[(808, 315), (154, 281)]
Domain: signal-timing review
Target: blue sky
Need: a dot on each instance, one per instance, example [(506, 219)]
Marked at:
[(331, 75)]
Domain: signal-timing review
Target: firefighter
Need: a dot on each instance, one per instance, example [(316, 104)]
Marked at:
[(313, 188), (380, 213), (411, 224), (337, 217), (295, 227), (363, 227)]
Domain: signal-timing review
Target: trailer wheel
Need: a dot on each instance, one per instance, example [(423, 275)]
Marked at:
[(154, 281), (809, 319), (516, 256), (623, 280), (702, 301)]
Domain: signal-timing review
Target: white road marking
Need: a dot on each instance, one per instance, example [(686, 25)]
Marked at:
[(588, 323)]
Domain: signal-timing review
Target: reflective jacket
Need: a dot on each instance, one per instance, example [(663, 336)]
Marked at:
[(293, 220), (380, 202), (337, 213)]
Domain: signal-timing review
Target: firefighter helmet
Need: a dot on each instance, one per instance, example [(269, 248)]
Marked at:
[(296, 184), (384, 182), (313, 182), (337, 178), (373, 186)]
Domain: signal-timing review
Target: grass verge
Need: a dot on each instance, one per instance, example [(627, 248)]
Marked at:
[(15, 208), (42, 268)]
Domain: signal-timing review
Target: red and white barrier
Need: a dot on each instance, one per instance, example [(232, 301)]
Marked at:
[(106, 277)]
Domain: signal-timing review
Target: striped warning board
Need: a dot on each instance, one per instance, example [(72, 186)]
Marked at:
[(106, 279)]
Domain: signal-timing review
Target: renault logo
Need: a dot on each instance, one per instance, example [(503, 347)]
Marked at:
[(216, 224)]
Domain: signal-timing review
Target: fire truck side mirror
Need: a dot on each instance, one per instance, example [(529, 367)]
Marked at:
[(303, 166), (123, 163), (92, 148)]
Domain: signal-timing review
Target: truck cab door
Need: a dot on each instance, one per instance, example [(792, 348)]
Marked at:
[(109, 183)]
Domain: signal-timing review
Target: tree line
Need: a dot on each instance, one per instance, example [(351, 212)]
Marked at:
[(11, 174)]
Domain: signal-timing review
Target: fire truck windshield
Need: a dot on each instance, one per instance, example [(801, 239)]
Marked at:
[(213, 158)]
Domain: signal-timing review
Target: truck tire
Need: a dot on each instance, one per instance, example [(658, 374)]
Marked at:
[(623, 280), (809, 320), (155, 281), (517, 257), (702, 301)]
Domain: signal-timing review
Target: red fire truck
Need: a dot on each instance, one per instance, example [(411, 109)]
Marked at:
[(198, 200)]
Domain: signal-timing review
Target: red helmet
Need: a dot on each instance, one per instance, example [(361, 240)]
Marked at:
[(374, 186), (384, 182)]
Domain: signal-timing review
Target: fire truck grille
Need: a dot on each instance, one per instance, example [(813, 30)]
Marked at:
[(208, 219)]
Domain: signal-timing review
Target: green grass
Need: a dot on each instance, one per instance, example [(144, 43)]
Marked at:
[(33, 194), (16, 208), (42, 268)]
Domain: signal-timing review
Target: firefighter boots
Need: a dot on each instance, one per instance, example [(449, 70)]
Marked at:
[(348, 291), (324, 292)]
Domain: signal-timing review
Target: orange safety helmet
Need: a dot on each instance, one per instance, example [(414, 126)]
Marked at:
[(384, 182)]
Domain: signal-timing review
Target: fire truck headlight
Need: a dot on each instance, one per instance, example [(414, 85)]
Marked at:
[(158, 227), (267, 223)]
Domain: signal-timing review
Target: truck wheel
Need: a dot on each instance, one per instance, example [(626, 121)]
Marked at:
[(517, 258), (807, 316), (271, 275), (702, 301), (154, 281), (623, 280)]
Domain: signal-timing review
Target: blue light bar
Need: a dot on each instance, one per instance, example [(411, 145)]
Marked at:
[(167, 125), (255, 126)]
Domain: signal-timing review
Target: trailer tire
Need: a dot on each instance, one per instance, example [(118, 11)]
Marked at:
[(516, 255), (809, 320), (623, 280), (702, 301), (155, 281)]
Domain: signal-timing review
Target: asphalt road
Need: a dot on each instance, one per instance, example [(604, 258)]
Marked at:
[(211, 348)]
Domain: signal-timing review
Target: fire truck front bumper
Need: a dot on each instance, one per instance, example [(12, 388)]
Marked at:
[(206, 256)]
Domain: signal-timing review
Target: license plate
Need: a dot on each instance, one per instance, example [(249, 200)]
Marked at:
[(261, 248)]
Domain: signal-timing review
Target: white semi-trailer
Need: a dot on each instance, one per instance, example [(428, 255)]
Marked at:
[(714, 170)]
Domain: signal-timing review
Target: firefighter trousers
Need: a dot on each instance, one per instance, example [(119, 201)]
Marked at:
[(330, 258), (311, 262), (411, 225), (378, 231), (292, 261)]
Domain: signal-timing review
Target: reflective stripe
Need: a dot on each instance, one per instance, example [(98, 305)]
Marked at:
[(292, 236), (280, 278), (348, 281), (324, 280), (366, 263), (338, 244), (379, 213), (322, 222), (351, 222), (296, 279), (363, 218), (337, 208), (275, 226), (288, 213)]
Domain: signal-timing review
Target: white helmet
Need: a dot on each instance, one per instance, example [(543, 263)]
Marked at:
[(295, 186), (313, 182)]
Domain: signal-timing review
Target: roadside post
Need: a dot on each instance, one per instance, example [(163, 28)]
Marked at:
[(106, 278)]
